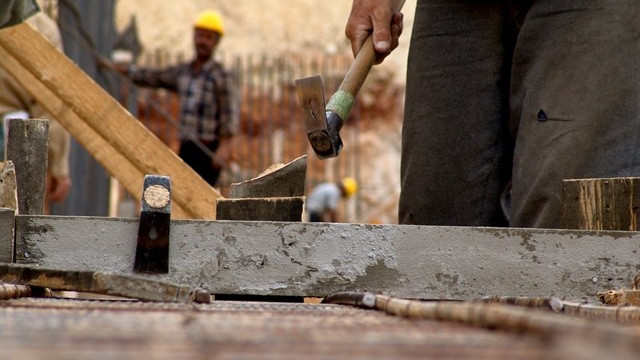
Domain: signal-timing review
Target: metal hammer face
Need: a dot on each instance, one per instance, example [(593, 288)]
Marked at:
[(322, 126)]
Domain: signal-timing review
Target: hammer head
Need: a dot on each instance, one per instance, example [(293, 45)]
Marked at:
[(323, 127)]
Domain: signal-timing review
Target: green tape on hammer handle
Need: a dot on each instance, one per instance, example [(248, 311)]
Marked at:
[(341, 103)]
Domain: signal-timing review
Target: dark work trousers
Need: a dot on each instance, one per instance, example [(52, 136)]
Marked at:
[(532, 91), (315, 217), (200, 161)]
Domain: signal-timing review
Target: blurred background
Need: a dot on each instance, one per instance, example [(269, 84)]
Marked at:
[(267, 45)]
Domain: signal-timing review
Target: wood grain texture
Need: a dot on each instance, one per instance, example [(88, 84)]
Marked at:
[(8, 185), (126, 148), (26, 146), (601, 204), (95, 282), (7, 239), (261, 209), (282, 180)]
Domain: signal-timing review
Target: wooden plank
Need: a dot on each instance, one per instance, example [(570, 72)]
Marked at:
[(95, 282), (280, 180), (7, 239), (261, 209), (601, 204), (311, 259), (118, 141), (27, 148)]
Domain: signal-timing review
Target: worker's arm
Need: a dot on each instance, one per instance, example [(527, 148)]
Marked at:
[(58, 179), (224, 154), (374, 16), (158, 78)]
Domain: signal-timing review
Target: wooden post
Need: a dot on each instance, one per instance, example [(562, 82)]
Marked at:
[(27, 148), (8, 205), (601, 204), (7, 227)]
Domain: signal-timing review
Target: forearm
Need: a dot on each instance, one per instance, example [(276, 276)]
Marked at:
[(59, 146), (164, 78)]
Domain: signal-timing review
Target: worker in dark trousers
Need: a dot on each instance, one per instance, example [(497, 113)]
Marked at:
[(526, 92)]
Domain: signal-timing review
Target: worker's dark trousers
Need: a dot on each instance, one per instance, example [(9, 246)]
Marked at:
[(200, 161), (502, 90)]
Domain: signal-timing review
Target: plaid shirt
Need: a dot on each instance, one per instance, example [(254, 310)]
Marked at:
[(207, 105)]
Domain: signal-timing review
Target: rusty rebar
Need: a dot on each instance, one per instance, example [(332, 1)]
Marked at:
[(15, 291), (555, 328)]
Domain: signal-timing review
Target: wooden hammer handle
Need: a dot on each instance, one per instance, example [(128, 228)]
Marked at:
[(342, 101)]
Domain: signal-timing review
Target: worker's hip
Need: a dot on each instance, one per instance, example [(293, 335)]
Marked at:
[(200, 160)]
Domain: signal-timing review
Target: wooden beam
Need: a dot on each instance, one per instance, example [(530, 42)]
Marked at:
[(95, 282), (313, 259), (280, 180), (8, 206), (26, 147), (261, 209), (7, 238), (124, 146), (601, 204)]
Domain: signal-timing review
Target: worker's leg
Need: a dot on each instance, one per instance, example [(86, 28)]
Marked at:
[(455, 143), (199, 161), (576, 80)]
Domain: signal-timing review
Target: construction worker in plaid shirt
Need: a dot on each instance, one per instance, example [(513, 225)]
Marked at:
[(208, 112)]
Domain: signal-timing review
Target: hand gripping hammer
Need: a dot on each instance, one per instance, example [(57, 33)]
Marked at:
[(323, 124)]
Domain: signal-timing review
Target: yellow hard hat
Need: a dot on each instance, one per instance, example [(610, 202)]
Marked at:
[(210, 20), (350, 186)]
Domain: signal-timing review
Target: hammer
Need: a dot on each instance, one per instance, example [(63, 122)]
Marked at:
[(323, 124)]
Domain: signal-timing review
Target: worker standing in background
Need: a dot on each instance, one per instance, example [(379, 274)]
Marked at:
[(510, 94), (17, 103), (207, 105), (322, 202)]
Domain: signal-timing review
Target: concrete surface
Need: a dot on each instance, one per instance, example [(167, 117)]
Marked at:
[(311, 259)]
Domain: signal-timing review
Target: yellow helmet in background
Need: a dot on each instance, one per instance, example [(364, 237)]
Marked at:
[(210, 20), (349, 185)]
